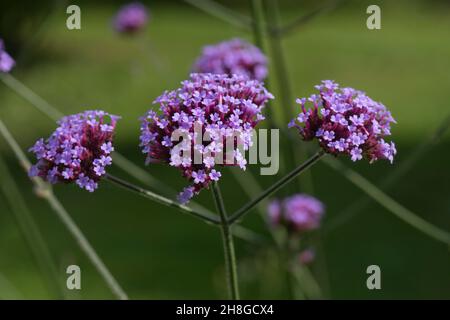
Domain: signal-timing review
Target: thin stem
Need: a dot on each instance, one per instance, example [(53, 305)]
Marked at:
[(276, 186), (228, 246), (404, 167), (299, 153), (30, 96), (85, 246), (259, 27), (140, 174), (301, 21), (279, 61), (30, 230), (44, 191), (219, 11), (390, 204), (210, 218), (259, 23)]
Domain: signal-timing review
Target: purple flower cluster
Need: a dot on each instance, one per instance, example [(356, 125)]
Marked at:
[(298, 213), (78, 150), (207, 105), (235, 56), (346, 121), (131, 18), (6, 61)]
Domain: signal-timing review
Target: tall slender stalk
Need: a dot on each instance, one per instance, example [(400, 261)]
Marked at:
[(259, 35), (44, 191), (299, 152), (30, 230), (228, 246), (403, 168), (259, 26)]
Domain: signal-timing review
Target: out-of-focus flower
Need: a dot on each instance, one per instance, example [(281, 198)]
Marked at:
[(307, 256), (79, 150), (235, 56), (206, 112), (299, 213), (346, 121), (274, 212), (6, 61), (131, 18)]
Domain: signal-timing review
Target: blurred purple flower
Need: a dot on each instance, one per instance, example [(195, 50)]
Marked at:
[(346, 121), (235, 56), (307, 256), (131, 18), (211, 105), (6, 61), (77, 151), (298, 213)]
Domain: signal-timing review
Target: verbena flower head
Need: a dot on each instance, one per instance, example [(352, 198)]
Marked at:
[(346, 121), (205, 112), (79, 150), (131, 18), (235, 56), (6, 61), (298, 213)]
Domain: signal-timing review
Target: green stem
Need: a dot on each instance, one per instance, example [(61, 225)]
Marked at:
[(276, 186), (403, 168), (30, 96), (44, 190), (279, 61), (162, 200), (390, 204), (259, 26), (219, 11), (228, 246), (299, 152), (30, 230), (301, 21)]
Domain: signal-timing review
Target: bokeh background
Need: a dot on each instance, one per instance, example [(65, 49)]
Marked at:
[(156, 252)]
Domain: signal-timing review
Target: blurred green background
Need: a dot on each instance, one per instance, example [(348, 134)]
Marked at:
[(158, 253)]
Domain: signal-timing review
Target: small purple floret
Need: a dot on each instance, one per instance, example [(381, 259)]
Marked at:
[(6, 61)]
